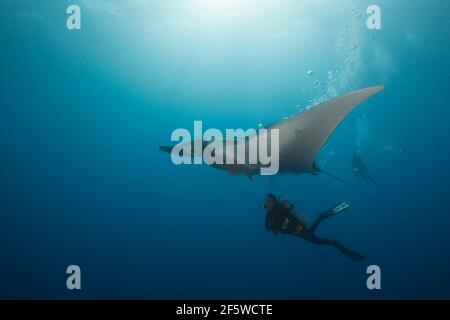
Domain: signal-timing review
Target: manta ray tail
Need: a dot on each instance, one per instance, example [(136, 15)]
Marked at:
[(332, 176)]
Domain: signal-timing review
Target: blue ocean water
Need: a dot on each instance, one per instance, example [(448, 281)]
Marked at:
[(83, 113)]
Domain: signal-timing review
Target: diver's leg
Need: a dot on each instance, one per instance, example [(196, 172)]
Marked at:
[(322, 216), (311, 237), (328, 214), (312, 228), (355, 256)]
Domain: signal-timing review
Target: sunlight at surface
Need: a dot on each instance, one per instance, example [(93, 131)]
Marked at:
[(222, 4)]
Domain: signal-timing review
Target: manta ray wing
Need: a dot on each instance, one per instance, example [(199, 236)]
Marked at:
[(304, 134)]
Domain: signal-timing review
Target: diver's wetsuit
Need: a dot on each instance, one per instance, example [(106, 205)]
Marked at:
[(281, 219)]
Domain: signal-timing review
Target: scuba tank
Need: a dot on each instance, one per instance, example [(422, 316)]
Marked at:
[(291, 208)]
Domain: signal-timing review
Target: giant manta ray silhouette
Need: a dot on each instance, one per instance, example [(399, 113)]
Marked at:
[(301, 136)]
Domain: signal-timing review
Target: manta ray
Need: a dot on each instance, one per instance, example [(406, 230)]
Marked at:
[(301, 136)]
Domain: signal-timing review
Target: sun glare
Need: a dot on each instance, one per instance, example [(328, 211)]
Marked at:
[(222, 4)]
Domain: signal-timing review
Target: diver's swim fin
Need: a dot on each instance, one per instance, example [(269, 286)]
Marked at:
[(355, 256), (167, 149), (340, 207), (335, 210)]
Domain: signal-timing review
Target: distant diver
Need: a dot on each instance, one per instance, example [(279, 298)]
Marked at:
[(281, 217), (360, 169)]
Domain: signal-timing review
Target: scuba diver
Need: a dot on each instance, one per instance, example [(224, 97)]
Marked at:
[(282, 218), (360, 169)]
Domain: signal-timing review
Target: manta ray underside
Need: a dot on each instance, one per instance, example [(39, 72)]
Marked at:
[(302, 135)]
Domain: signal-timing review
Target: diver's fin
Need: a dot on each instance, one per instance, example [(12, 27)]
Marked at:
[(167, 149), (335, 210), (355, 256), (339, 208), (332, 176)]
